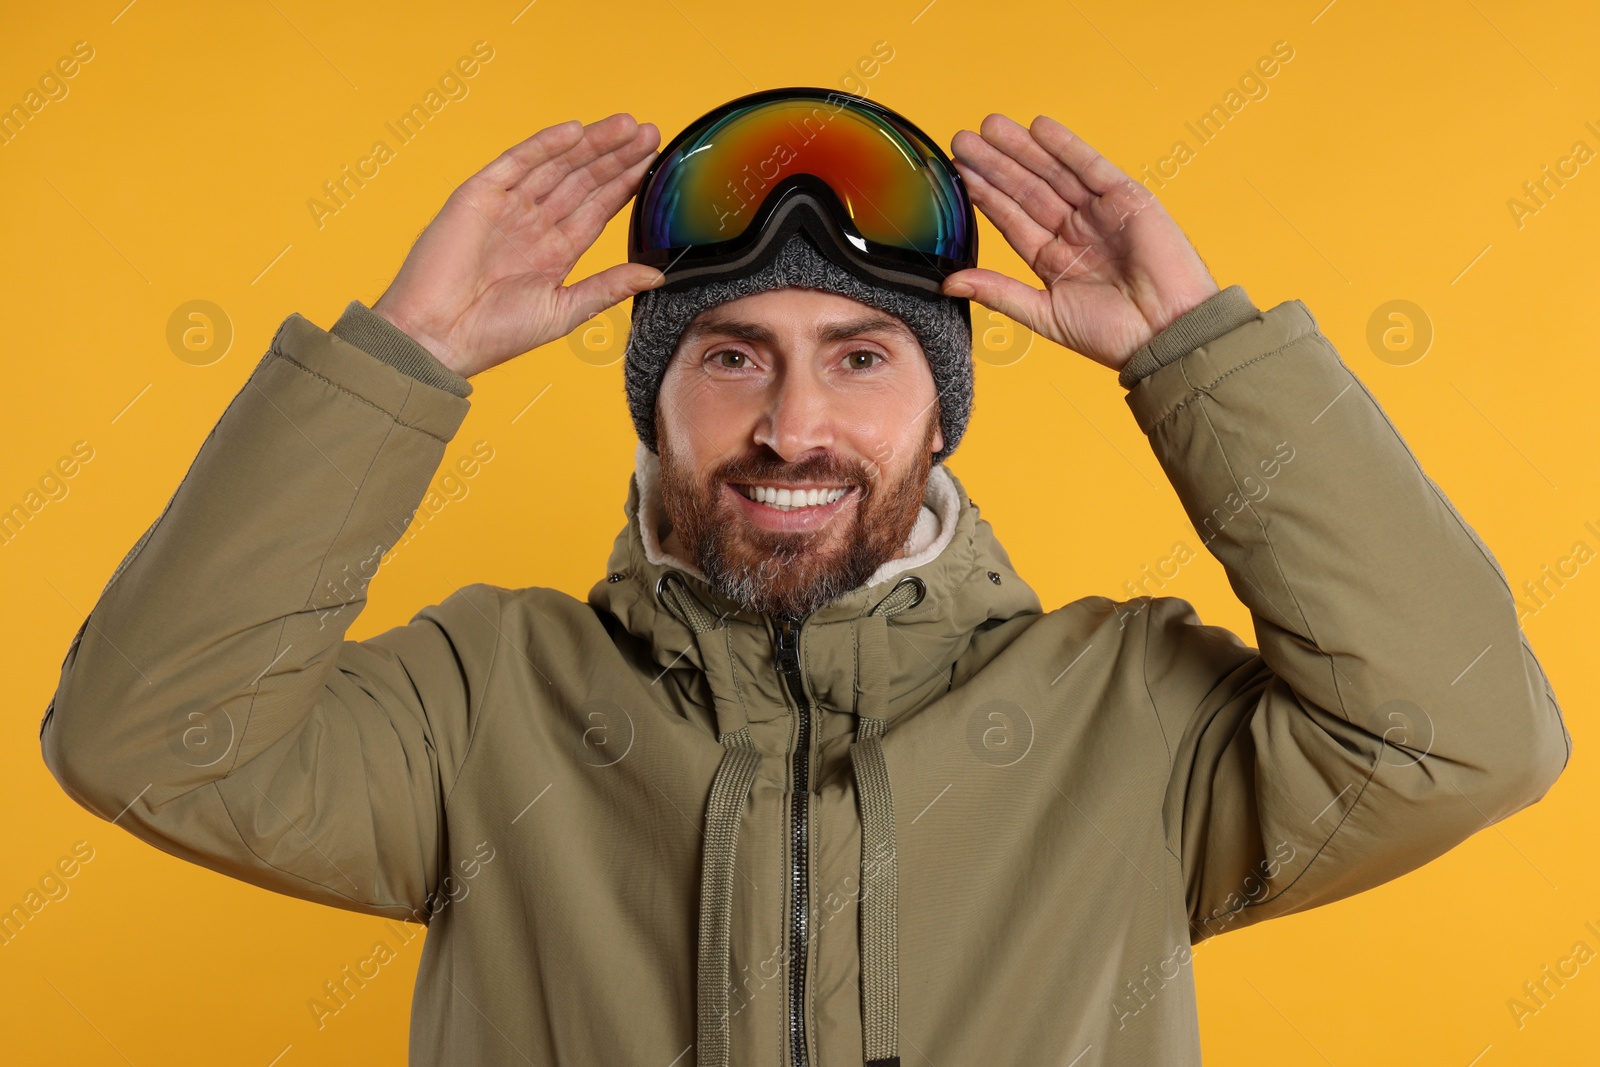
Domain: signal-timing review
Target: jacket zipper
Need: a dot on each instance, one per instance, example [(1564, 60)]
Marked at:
[(788, 660)]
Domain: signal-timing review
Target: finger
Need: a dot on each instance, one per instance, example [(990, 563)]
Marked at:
[(1018, 142), (1042, 203), (596, 142), (1016, 300), (587, 221), (1015, 225), (583, 183), (1096, 172), (600, 291), (598, 138), (514, 163)]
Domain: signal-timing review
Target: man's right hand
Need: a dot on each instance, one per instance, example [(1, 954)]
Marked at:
[(484, 282)]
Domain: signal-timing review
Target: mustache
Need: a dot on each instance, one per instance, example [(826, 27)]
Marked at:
[(770, 468)]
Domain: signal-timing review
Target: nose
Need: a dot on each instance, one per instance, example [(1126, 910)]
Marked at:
[(799, 416)]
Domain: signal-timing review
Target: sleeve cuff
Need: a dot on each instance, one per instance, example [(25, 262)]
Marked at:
[(382, 339), (1205, 322)]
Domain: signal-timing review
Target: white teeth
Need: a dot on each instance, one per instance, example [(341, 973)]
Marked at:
[(792, 499)]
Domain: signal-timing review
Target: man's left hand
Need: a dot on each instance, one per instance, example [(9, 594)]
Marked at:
[(1117, 269)]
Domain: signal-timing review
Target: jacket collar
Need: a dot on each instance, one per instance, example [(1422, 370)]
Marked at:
[(966, 574)]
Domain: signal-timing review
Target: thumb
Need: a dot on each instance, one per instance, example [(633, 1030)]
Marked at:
[(998, 292), (611, 286)]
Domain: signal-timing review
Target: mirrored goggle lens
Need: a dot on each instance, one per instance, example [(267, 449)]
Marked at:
[(892, 183)]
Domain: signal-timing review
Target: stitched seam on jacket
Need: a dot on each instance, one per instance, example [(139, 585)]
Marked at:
[(256, 693), (1455, 513), (855, 654), (284, 623), (357, 396), (1371, 774), (1197, 391), (483, 694), (733, 673), (1144, 673), (1333, 667), (216, 783), (1550, 694), (133, 553), (1427, 480), (1277, 563)]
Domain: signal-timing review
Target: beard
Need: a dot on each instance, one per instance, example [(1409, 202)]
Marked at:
[(791, 573)]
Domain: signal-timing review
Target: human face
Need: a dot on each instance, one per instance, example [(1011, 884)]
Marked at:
[(795, 389)]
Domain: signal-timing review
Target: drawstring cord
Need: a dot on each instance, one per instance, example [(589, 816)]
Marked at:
[(730, 789), (880, 888), (719, 853), (880, 962)]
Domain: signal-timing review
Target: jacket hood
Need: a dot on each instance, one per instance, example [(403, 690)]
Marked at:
[(966, 577)]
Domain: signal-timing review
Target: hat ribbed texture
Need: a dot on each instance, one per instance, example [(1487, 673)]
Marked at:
[(939, 322)]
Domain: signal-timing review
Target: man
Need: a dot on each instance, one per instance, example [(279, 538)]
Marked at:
[(812, 777)]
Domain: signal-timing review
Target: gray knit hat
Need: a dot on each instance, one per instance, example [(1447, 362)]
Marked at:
[(941, 324)]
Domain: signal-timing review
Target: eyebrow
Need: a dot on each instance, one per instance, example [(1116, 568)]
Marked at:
[(828, 332)]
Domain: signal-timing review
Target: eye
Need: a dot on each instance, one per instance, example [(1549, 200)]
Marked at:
[(863, 359), (731, 358)]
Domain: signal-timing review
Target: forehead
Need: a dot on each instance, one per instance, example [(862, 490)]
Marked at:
[(796, 314)]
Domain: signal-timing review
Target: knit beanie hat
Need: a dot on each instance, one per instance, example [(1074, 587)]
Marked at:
[(940, 323)]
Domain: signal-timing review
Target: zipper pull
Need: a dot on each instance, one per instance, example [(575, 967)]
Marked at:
[(788, 648)]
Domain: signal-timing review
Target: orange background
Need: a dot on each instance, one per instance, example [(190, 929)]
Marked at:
[(1379, 163)]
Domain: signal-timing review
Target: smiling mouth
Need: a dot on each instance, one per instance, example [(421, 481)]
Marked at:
[(791, 498)]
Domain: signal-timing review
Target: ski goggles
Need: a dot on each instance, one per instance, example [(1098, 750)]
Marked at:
[(875, 191)]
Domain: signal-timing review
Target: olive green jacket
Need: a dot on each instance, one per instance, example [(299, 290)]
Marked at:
[(934, 823)]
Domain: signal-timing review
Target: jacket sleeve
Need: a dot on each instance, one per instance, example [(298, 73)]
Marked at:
[(210, 703), (1394, 707)]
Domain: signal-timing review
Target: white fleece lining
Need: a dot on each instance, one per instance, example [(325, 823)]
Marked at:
[(935, 525)]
